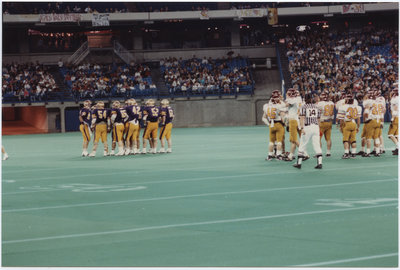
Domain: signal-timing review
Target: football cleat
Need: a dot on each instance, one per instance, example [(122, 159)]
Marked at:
[(120, 153), (93, 154), (319, 166), (345, 156), (373, 152), (328, 155), (288, 159), (127, 151), (279, 157), (85, 154), (270, 158), (112, 153), (169, 150), (360, 153), (395, 152), (105, 154), (383, 152), (377, 155), (144, 151), (306, 158), (366, 155), (298, 166), (5, 157), (352, 155), (161, 151)]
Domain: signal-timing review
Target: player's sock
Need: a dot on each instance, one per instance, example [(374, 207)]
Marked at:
[(299, 159), (328, 152), (353, 151), (319, 159), (279, 152), (346, 151), (368, 151)]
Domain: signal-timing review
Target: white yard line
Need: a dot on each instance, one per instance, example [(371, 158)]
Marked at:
[(349, 260), (194, 196), (211, 222), (185, 179)]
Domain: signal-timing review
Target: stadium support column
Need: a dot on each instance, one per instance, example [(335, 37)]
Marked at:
[(138, 41), (235, 34)]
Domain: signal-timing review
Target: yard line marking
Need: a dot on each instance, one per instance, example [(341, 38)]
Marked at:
[(192, 196), (202, 178), (349, 260), (211, 222)]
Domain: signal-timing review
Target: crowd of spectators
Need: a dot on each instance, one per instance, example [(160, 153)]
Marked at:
[(27, 82), (331, 61), (206, 76), (104, 81)]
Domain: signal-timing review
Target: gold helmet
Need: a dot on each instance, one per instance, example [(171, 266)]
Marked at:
[(165, 102)]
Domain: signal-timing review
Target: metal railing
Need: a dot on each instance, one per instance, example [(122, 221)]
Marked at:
[(80, 54), (123, 53)]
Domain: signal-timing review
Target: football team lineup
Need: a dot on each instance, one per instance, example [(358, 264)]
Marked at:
[(193, 207)]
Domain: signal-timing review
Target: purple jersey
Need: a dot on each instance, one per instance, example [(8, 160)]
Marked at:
[(101, 115), (86, 115), (134, 112), (168, 112), (152, 113), (120, 115)]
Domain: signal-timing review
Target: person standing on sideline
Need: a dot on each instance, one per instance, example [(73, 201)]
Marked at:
[(167, 114), (85, 119), (309, 127)]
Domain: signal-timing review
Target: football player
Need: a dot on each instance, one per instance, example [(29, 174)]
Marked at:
[(326, 107), (3, 151), (274, 114), (85, 118), (150, 115), (167, 114), (371, 125), (293, 103), (393, 133), (381, 103), (349, 117), (101, 125), (132, 127), (118, 118)]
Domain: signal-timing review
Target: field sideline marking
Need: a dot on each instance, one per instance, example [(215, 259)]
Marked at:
[(161, 227), (193, 196), (349, 260), (201, 178)]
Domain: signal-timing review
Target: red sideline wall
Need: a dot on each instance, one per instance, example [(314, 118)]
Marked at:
[(33, 116)]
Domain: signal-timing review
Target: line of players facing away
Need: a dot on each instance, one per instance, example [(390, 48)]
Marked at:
[(280, 113), (125, 122)]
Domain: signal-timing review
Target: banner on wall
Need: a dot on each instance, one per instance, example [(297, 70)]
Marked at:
[(50, 18), (353, 8), (251, 13), (100, 20), (272, 16), (204, 15)]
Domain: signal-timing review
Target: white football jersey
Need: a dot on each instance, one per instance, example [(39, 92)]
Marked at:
[(381, 106), (327, 110), (349, 112), (273, 111), (394, 107), (367, 104), (293, 108)]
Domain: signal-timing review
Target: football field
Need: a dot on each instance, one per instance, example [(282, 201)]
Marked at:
[(214, 201)]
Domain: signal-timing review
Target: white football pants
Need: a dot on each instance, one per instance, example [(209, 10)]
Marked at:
[(312, 133)]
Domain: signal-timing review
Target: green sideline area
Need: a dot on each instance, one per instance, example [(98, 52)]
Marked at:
[(214, 201)]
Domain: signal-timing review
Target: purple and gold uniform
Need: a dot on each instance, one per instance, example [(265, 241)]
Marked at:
[(86, 115), (165, 131), (101, 117), (152, 113), (118, 115), (132, 127)]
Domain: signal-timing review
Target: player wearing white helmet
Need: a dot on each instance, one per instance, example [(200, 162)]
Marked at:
[(381, 105), (274, 117), (371, 123), (393, 133), (326, 106), (349, 117), (293, 103)]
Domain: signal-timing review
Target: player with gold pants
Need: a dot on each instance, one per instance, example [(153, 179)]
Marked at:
[(151, 130), (276, 132), (293, 131), (132, 130), (372, 129), (349, 132), (100, 132), (84, 128), (394, 127), (325, 129), (118, 132), (165, 132)]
